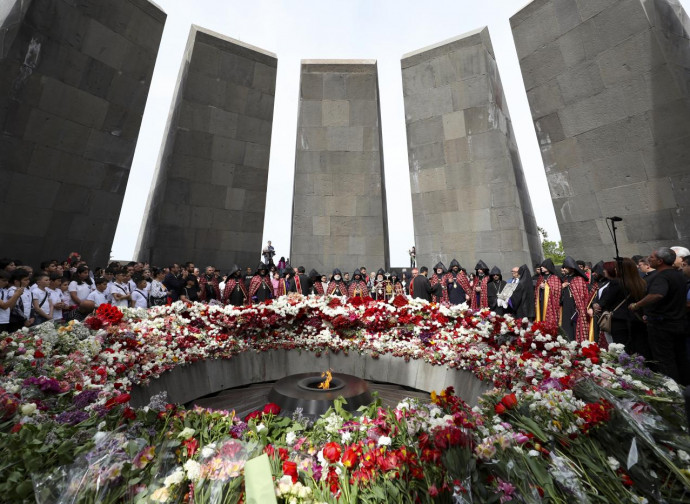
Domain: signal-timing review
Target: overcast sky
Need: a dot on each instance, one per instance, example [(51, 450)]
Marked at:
[(309, 29)]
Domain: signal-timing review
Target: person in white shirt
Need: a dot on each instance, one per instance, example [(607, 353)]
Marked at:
[(120, 293), (81, 285), (20, 282), (158, 294), (514, 271), (99, 296), (59, 304), (140, 299), (7, 300), (42, 302)]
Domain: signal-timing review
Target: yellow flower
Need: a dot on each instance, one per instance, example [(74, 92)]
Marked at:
[(161, 495), (434, 397)]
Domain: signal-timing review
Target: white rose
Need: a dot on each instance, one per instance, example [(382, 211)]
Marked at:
[(384, 441), (290, 438), (28, 409)]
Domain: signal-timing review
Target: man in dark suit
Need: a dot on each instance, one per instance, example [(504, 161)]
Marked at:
[(421, 288)]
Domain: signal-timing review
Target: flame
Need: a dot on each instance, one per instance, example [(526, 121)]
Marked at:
[(326, 384)]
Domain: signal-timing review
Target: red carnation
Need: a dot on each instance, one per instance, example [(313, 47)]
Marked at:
[(271, 409), (331, 452)]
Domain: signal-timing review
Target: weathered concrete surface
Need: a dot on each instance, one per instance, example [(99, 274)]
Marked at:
[(189, 382), (339, 208), (469, 196), (74, 78), (608, 86), (209, 194)]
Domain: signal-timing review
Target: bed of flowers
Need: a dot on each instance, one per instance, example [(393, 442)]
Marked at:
[(564, 423)]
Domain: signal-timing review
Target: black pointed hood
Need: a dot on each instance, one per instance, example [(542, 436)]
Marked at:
[(314, 274), (599, 269), (336, 271), (261, 267), (381, 272), (550, 266), (395, 276), (481, 265), (357, 272), (570, 263), (440, 265), (524, 274), (235, 268), (496, 271), (454, 263)]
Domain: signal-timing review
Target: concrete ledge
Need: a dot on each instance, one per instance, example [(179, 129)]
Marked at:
[(472, 38), (339, 65), (189, 382)]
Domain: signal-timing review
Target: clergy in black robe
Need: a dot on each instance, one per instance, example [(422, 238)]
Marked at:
[(235, 292), (302, 283), (494, 288), (457, 283), (381, 290), (336, 286), (261, 288), (421, 288), (315, 282), (574, 300), (522, 300)]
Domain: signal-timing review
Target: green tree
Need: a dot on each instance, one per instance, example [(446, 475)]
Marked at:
[(552, 250)]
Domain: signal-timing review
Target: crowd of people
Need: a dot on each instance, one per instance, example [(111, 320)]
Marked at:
[(640, 302)]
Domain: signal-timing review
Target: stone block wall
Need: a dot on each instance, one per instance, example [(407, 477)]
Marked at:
[(339, 208), (208, 200), (74, 78), (608, 88), (469, 196)]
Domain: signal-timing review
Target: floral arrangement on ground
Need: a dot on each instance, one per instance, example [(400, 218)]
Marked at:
[(565, 422)]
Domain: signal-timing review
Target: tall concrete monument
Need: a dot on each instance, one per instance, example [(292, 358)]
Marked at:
[(339, 209), (608, 87), (469, 196), (208, 199), (74, 78)]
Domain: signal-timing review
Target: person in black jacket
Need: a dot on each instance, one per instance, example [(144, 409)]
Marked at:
[(522, 300), (626, 327), (175, 281), (421, 288)]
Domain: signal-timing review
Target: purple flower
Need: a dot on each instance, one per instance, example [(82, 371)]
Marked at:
[(44, 384), (82, 400), (551, 383), (72, 417)]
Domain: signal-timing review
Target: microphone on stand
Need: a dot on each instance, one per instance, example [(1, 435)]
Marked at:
[(615, 219)]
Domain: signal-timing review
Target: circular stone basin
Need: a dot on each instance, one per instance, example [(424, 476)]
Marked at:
[(301, 391)]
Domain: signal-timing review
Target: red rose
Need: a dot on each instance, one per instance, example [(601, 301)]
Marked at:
[(290, 469), (331, 452), (271, 409), (283, 454), (349, 459), (129, 414), (253, 414), (509, 401)]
